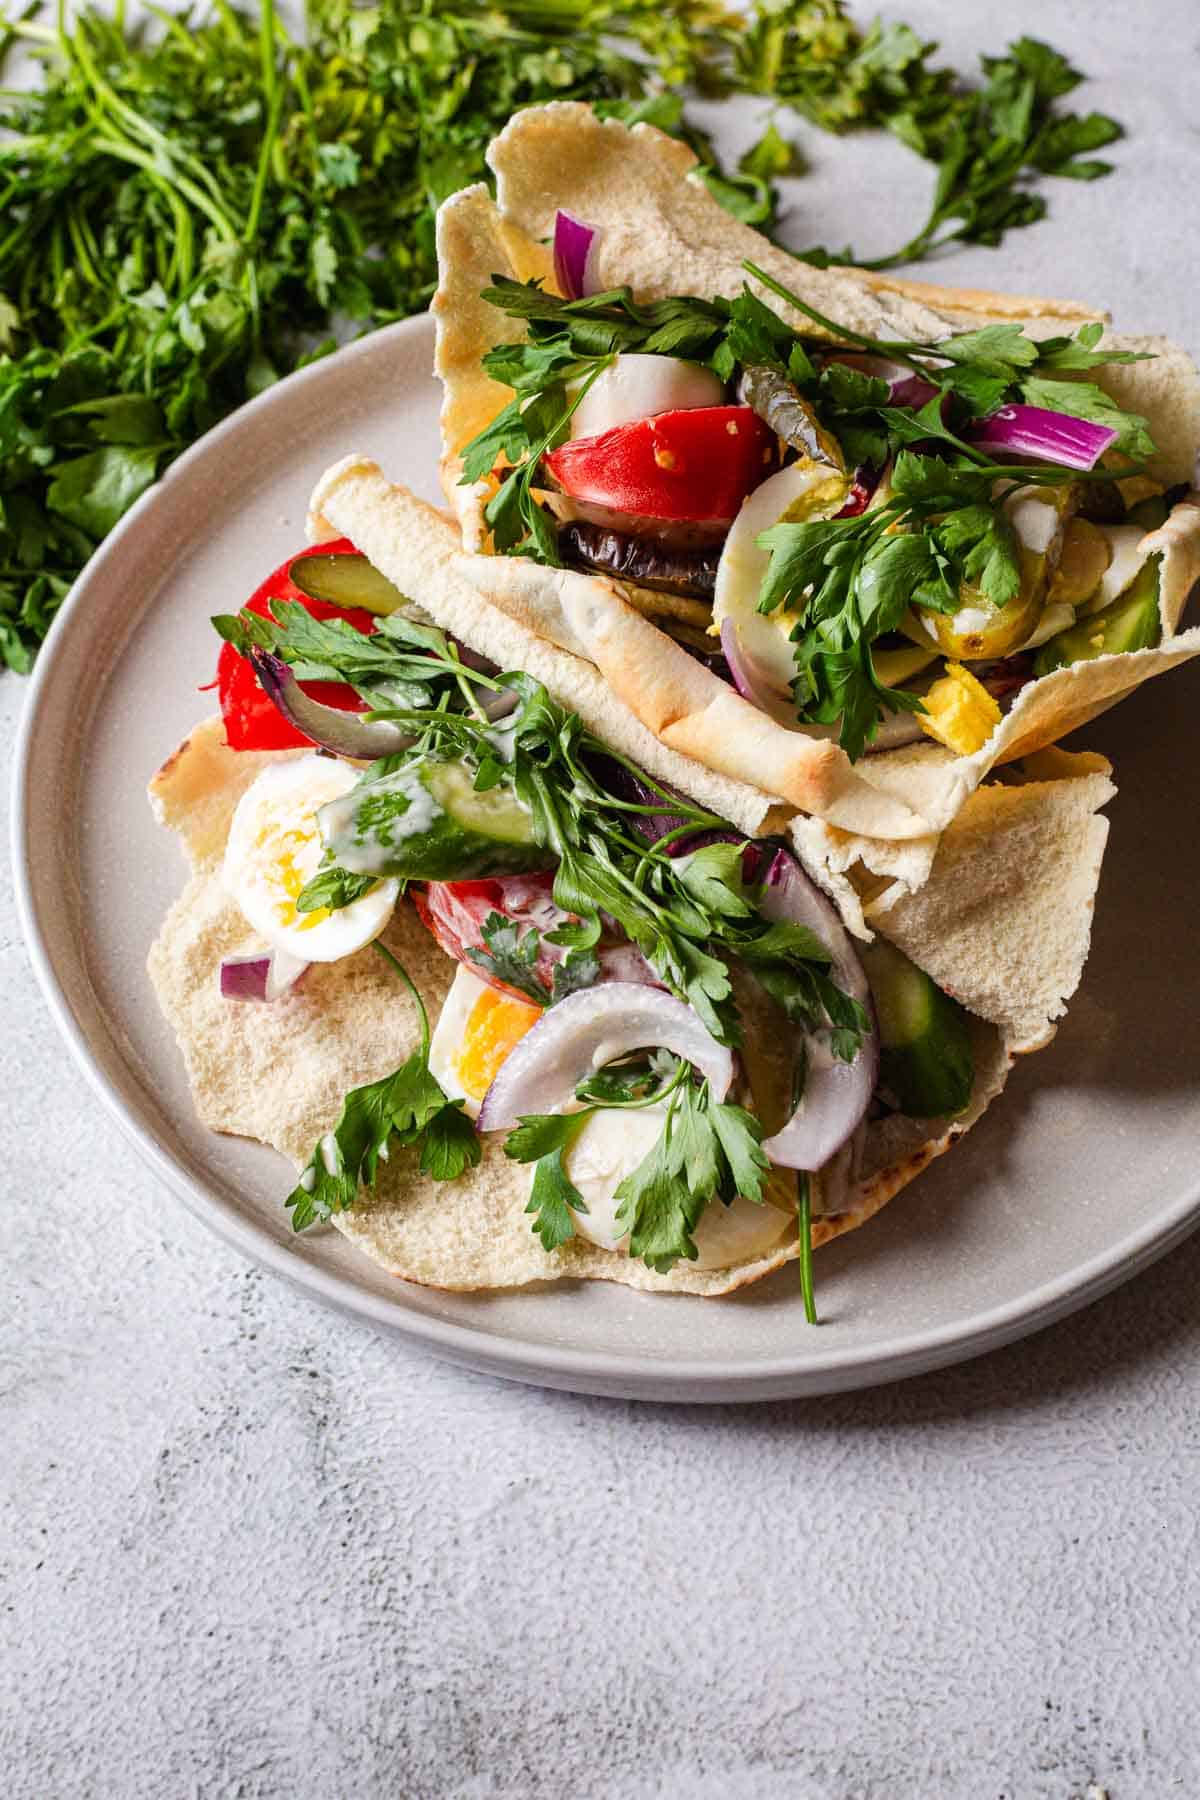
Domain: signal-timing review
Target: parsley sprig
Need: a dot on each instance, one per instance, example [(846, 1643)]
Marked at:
[(404, 1110), (511, 955), (707, 1151), (402, 663)]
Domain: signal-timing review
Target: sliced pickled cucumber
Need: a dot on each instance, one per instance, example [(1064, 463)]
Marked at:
[(925, 1059), (979, 630), (427, 822), (1130, 622), (346, 580)]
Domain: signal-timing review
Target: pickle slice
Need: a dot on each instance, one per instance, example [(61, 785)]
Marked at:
[(427, 821), (346, 580)]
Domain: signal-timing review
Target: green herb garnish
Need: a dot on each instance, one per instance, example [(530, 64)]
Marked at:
[(404, 1110), (707, 1151)]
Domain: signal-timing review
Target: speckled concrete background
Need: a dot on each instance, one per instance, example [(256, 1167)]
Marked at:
[(252, 1549)]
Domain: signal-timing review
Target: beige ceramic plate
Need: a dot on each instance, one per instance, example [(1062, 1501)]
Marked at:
[(1083, 1174)]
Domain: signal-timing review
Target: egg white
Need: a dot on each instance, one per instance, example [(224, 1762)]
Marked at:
[(766, 637), (450, 1036), (1124, 562), (275, 847), (636, 386)]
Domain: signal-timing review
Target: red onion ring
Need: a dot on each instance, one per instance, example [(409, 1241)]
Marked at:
[(750, 679), (836, 1094), (344, 733), (261, 975), (1051, 436), (583, 1033)]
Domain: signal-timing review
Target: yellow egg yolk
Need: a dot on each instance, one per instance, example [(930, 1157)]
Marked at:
[(496, 1026), (282, 849)]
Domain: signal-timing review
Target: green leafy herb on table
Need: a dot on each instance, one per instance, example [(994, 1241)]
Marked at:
[(192, 202)]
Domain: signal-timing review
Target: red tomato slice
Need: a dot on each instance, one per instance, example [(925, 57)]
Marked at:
[(454, 911), (252, 722), (699, 463)]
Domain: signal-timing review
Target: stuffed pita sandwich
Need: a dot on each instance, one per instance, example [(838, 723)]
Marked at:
[(523, 994), (852, 540)]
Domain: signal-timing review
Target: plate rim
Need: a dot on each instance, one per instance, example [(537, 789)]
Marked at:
[(556, 1366)]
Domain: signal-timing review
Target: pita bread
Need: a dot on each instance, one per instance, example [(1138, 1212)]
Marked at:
[(661, 231), (278, 1073)]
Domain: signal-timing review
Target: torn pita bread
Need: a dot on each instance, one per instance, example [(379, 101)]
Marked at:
[(278, 1073), (661, 232)]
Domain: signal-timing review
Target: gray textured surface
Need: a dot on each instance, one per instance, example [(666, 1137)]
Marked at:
[(249, 1548)]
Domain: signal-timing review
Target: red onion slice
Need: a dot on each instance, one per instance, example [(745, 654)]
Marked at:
[(907, 387), (836, 1094), (750, 679), (583, 1033), (344, 733), (574, 243), (1050, 436), (261, 975), (866, 479)]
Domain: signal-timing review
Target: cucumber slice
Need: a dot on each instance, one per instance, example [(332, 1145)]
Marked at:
[(346, 580), (1130, 622), (427, 822), (925, 1058)]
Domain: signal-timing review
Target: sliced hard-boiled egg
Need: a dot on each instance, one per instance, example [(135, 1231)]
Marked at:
[(959, 711), (477, 1029), (1086, 554), (636, 386), (275, 849), (1126, 558), (804, 490), (611, 1145)]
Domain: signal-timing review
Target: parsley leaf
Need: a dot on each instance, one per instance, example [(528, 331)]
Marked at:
[(1084, 400), (542, 1139), (706, 1152), (408, 1109), (334, 888), (511, 955), (553, 1197)]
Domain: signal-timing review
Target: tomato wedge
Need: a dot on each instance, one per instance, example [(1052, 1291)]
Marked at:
[(695, 464), (252, 722)]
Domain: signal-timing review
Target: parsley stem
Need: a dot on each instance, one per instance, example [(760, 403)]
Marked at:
[(804, 1227), (900, 352), (411, 985)]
